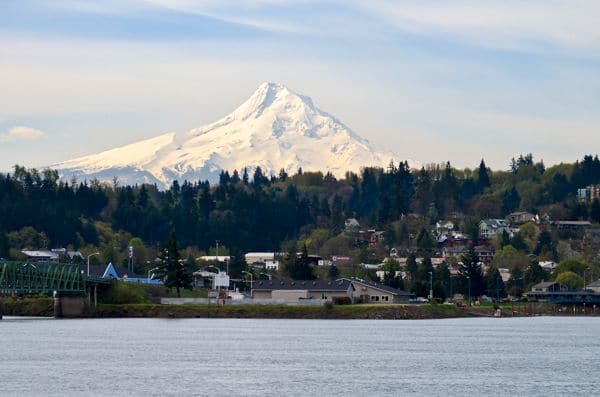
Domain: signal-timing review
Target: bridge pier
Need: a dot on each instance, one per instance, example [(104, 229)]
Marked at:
[(70, 305)]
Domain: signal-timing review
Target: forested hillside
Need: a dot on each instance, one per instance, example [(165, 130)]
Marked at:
[(258, 212)]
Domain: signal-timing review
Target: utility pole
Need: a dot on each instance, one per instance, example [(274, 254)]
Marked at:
[(431, 285), (217, 256), (469, 281)]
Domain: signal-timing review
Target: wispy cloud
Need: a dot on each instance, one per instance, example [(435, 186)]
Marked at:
[(498, 23), (524, 25), (21, 133)]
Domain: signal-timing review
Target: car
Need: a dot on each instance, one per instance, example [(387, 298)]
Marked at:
[(419, 300)]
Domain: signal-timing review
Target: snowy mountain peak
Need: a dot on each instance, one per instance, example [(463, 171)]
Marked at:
[(276, 96), (274, 128)]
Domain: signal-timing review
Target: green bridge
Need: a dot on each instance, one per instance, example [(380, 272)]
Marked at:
[(44, 278)]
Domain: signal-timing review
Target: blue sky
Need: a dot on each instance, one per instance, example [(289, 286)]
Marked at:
[(431, 80)]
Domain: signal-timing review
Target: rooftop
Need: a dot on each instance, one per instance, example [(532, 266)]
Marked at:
[(311, 285), (378, 286)]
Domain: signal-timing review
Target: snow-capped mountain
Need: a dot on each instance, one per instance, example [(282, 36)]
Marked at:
[(275, 128)]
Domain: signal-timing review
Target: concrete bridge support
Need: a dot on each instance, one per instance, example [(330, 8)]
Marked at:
[(71, 305)]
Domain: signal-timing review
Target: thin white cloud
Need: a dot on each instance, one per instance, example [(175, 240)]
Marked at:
[(21, 133), (520, 25), (498, 23)]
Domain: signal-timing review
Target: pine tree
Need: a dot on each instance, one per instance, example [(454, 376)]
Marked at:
[(471, 274), (483, 179), (298, 267), (171, 270), (495, 285)]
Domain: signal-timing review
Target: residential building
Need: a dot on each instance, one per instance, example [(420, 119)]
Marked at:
[(272, 265), (520, 217), (588, 194), (546, 286), (369, 292), (572, 225), (489, 228), (53, 255), (294, 291), (351, 224), (548, 265), (443, 226), (40, 255), (113, 272), (212, 280), (484, 255)]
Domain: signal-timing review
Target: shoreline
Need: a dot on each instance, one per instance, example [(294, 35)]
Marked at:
[(43, 307)]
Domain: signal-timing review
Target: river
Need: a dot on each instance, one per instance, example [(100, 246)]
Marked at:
[(226, 357)]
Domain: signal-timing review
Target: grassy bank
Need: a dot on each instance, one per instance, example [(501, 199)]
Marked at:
[(35, 307), (292, 312), (43, 307)]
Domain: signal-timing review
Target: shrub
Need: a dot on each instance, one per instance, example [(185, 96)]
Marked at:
[(122, 293)]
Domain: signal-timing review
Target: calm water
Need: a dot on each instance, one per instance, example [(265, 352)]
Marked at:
[(522, 356)]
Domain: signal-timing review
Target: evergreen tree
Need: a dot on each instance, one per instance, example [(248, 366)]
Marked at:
[(471, 274), (483, 179), (171, 270), (298, 267), (534, 274), (495, 287), (337, 214)]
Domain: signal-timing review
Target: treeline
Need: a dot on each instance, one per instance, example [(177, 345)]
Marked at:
[(261, 212)]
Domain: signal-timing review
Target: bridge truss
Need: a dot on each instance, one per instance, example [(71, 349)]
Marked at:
[(40, 278)]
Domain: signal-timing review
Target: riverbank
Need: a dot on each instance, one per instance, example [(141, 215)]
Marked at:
[(291, 312), (43, 307)]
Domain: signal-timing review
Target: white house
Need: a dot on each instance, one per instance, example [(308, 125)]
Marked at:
[(488, 228), (272, 265)]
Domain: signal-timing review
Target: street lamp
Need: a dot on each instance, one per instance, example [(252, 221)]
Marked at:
[(251, 275), (585, 270), (469, 281), (430, 285), (88, 261)]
